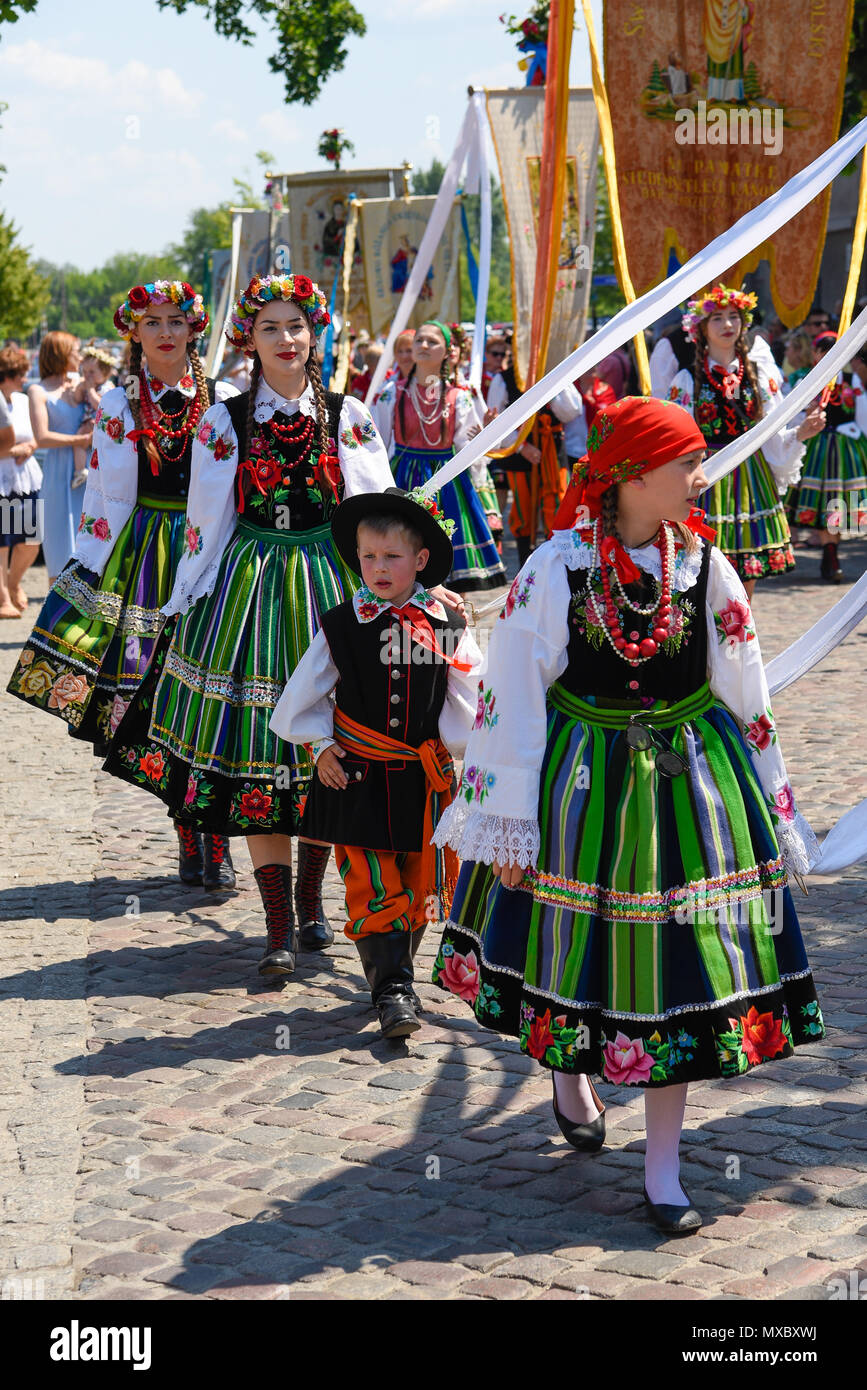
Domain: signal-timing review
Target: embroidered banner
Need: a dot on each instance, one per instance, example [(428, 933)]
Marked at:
[(516, 119), (318, 211), (715, 104), (391, 233)]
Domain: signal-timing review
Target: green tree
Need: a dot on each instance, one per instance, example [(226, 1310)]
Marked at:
[(10, 10), (656, 83), (752, 85), (84, 301), (855, 90), (310, 36), (605, 300), (23, 291)]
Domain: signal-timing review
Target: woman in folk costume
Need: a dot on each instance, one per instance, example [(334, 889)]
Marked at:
[(831, 494), (728, 391), (424, 420), (259, 568), (624, 816), (96, 634)]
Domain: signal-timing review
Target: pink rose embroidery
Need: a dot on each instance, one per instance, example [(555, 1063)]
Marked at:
[(625, 1061), (101, 529), (68, 689), (760, 732), (784, 803), (734, 622), (460, 974), (118, 710)]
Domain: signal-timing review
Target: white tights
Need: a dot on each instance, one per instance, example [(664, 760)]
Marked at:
[(663, 1117)]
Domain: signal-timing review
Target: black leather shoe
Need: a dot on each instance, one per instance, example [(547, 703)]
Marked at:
[(275, 885), (397, 1017), (217, 871), (587, 1138), (314, 929), (189, 854), (674, 1220)]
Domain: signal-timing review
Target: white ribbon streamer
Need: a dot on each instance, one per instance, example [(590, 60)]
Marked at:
[(748, 232), (484, 281), (429, 243), (845, 844)]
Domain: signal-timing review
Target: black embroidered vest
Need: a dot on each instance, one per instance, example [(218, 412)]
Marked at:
[(295, 496)]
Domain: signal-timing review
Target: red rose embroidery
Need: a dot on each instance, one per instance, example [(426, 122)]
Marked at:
[(153, 766), (760, 732), (101, 529), (541, 1037), (734, 621), (222, 450), (255, 804), (762, 1036), (114, 429)]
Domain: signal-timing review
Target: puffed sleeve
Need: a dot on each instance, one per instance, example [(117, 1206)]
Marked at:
[(568, 404), (736, 675), (112, 482), (681, 390), (211, 515), (382, 414), (458, 711), (305, 711), (495, 813), (225, 390), (362, 454), (784, 450)]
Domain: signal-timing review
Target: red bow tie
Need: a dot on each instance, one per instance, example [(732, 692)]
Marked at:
[(416, 623)]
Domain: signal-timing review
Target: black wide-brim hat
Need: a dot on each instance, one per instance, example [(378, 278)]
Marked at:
[(397, 503)]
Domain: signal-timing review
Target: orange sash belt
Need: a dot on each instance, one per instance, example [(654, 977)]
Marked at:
[(440, 867)]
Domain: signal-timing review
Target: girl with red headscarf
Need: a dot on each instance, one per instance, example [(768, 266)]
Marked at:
[(624, 814)]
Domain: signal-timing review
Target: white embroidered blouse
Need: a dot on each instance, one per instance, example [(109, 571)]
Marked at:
[(112, 481), (211, 515), (305, 711), (783, 451), (495, 813)]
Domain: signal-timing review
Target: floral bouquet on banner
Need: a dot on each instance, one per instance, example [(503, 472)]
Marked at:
[(532, 36), (333, 145)]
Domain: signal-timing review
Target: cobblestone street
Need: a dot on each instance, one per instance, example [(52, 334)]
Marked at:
[(174, 1128)]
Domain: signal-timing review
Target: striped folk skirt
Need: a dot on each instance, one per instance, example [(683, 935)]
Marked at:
[(831, 493), (197, 736), (655, 940), (95, 636), (477, 564), (749, 518)]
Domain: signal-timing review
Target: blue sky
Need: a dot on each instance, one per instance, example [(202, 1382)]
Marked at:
[(123, 118)]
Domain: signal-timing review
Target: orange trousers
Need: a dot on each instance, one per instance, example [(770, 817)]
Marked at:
[(384, 891)]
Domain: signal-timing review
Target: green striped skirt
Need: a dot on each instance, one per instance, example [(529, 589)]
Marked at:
[(655, 940), (749, 518), (831, 493), (198, 735), (96, 635)]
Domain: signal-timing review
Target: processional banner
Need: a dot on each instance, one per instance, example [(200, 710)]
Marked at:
[(516, 119), (715, 104), (391, 233), (318, 212)]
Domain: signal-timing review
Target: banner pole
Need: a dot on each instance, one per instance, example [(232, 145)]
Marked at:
[(606, 136), (857, 252)]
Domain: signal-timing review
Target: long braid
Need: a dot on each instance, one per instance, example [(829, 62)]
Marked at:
[(133, 395), (402, 393), (609, 513), (445, 382), (255, 376), (749, 370), (697, 368), (314, 374), (199, 377)]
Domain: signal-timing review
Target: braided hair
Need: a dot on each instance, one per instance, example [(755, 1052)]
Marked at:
[(250, 425), (132, 387), (198, 371), (741, 351), (314, 376)]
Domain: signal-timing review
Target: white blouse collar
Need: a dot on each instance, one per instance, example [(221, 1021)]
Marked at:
[(268, 401), (368, 605), (578, 554), (158, 388)]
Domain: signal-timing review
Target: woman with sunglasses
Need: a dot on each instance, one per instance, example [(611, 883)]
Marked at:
[(624, 814)]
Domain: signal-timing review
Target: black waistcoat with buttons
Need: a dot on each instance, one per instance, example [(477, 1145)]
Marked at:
[(679, 667), (392, 684), (172, 481)]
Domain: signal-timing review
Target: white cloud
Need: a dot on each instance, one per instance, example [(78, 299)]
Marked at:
[(279, 127), (133, 88), (227, 130)]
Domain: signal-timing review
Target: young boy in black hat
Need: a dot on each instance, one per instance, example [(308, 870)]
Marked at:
[(404, 672)]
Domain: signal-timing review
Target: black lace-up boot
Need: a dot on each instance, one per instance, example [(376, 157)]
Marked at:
[(275, 885), (218, 871), (189, 854), (314, 928)]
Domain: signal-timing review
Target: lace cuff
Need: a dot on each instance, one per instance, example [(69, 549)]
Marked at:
[(482, 839), (798, 844), (186, 593)]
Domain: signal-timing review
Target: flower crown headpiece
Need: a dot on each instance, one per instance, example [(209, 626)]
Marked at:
[(99, 355), (720, 297), (429, 505), (135, 306), (261, 290)]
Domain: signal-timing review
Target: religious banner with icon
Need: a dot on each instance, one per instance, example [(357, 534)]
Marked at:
[(715, 105), (318, 212), (391, 233), (516, 117)]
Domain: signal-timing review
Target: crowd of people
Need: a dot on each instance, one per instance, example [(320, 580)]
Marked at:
[(255, 615)]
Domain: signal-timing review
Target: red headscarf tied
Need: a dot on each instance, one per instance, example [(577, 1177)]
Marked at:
[(630, 437)]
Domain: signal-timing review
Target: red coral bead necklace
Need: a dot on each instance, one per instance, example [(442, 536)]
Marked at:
[(632, 650)]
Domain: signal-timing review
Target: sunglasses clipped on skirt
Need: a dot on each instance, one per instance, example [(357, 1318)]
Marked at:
[(641, 737)]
